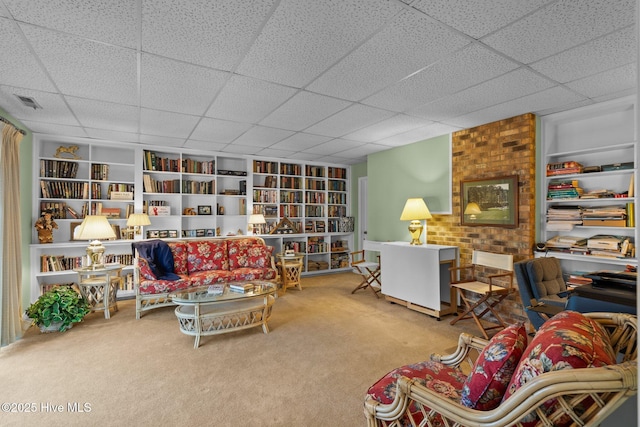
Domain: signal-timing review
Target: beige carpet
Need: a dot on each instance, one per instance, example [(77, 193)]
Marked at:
[(325, 348)]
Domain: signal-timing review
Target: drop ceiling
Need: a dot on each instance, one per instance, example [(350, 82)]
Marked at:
[(315, 80)]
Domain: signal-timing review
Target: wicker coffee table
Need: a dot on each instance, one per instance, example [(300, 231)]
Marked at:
[(200, 312)]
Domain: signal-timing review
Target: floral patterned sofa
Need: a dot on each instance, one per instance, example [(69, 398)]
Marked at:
[(576, 371), (165, 267)]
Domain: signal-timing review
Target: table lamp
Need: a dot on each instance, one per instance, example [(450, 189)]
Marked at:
[(95, 227), (255, 219), (472, 210), (137, 221), (415, 210)]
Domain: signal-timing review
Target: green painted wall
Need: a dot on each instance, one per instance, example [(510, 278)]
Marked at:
[(26, 185), (421, 169)]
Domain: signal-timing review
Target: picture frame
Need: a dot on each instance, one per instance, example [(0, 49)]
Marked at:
[(173, 234), (153, 234), (204, 210), (489, 202)]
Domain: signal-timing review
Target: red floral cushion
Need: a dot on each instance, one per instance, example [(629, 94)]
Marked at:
[(238, 251), (145, 270), (569, 340), (259, 256), (179, 251), (486, 384), (442, 379), (204, 255), (163, 286)]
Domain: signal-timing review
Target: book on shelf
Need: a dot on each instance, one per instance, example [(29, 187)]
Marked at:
[(110, 212)]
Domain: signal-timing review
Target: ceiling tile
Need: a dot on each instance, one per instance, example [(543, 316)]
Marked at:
[(419, 134), (303, 110), (204, 145), (105, 115), (176, 86), (242, 149), (478, 19), (304, 37), (172, 125), (54, 109), (515, 84), (18, 67), (54, 129), (300, 141), (459, 71), (562, 25), (334, 146), (210, 33), (113, 135), (349, 120), (245, 99), (611, 51), (113, 21), (161, 141), (77, 65), (384, 129), (410, 42), (262, 136), (611, 81), (219, 131), (362, 151), (528, 104), (277, 154)]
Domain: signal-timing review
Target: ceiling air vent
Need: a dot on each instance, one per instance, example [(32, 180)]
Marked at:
[(29, 102)]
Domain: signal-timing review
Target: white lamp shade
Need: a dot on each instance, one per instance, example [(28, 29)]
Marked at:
[(257, 219), (415, 209), (95, 227), (138, 219)]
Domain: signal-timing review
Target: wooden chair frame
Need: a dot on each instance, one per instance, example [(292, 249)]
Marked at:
[(370, 272), (476, 294)]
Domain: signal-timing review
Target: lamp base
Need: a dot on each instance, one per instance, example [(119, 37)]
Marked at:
[(415, 229), (95, 254)]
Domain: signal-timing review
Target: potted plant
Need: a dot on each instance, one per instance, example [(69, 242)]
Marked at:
[(57, 309)]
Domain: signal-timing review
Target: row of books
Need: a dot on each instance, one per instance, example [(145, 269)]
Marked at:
[(564, 217), (99, 171), (314, 227), (340, 173), (570, 189), (564, 168), (64, 189), (314, 211), (314, 197), (263, 166), (58, 169), (314, 184), (337, 185), (316, 245), (337, 198), (207, 167), (265, 196), (339, 260)]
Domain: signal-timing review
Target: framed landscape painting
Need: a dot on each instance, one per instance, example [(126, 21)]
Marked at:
[(490, 202)]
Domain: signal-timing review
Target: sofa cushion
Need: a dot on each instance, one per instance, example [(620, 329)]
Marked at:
[(179, 251), (145, 270), (569, 340), (163, 286), (546, 274), (247, 274), (485, 386), (440, 378), (259, 256), (239, 251), (205, 255), (209, 277)]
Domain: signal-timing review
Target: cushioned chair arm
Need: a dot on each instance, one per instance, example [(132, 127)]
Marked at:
[(466, 343), (611, 385)]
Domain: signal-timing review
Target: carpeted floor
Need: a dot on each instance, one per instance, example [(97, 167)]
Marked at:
[(326, 346)]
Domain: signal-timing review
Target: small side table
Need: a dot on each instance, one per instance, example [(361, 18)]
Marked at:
[(290, 267), (100, 287)]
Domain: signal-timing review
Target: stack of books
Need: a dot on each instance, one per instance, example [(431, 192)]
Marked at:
[(241, 287), (563, 218), (605, 216), (564, 168), (570, 244), (607, 245), (564, 190)]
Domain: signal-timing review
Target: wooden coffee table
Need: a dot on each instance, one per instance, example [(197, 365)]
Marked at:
[(200, 312)]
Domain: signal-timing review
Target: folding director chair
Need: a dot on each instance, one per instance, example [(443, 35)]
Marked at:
[(477, 295), (370, 272)]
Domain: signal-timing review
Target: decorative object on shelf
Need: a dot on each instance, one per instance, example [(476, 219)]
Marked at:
[(94, 228), (136, 221), (61, 306), (285, 226), (204, 210), (472, 210), (70, 151), (346, 224), (415, 210), (189, 211), (254, 220), (45, 226), (497, 200)]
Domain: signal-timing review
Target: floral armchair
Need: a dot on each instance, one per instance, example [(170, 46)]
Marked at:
[(577, 370)]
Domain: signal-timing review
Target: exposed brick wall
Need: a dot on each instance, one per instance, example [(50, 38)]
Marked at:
[(505, 147)]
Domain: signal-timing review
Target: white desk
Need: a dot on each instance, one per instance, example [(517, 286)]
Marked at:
[(418, 276)]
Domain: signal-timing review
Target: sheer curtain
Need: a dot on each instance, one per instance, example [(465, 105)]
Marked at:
[(11, 250)]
